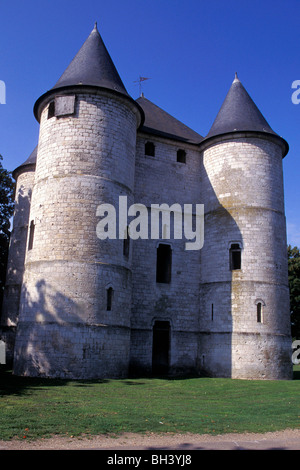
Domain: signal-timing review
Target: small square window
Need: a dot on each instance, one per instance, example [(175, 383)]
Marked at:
[(150, 149), (181, 156)]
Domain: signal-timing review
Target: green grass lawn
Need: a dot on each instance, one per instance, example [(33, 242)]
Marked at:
[(38, 408)]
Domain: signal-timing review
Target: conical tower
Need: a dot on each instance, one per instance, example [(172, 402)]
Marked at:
[(245, 297), (24, 177), (76, 294)]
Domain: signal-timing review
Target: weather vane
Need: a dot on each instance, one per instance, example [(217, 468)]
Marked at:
[(139, 81)]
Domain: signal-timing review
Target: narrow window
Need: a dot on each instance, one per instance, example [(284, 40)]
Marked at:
[(109, 298), (181, 156), (150, 149), (259, 312), (126, 244), (51, 110), (212, 312), (31, 235), (163, 264), (235, 256)]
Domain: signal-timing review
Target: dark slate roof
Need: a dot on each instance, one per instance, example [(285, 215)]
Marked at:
[(159, 122), (92, 66), (239, 113), (31, 161)]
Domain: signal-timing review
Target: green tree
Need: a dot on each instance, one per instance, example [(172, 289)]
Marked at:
[(6, 210), (294, 284)]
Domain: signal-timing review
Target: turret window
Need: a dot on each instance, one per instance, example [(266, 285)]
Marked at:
[(126, 243), (109, 298), (235, 257), (31, 235), (259, 310)]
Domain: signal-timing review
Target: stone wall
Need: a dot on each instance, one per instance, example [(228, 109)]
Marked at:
[(16, 258), (161, 179), (17, 247), (242, 178), (207, 311), (65, 327)]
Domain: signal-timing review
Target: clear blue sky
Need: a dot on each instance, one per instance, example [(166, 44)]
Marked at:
[(190, 49)]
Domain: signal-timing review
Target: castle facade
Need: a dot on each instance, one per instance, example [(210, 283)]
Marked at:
[(82, 305)]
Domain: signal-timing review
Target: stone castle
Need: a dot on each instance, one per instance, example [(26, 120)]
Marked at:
[(80, 306)]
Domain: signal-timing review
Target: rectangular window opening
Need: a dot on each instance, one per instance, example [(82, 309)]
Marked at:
[(259, 312), (235, 256), (126, 244), (150, 149), (109, 298), (181, 156), (163, 264)]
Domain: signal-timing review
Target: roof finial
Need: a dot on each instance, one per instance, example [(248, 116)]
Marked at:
[(236, 78), (139, 81), (95, 26)]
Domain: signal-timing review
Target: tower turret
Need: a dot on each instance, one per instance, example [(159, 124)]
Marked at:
[(245, 297), (76, 294), (24, 177)]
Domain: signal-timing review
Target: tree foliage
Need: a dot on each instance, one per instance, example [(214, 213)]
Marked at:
[(294, 284), (6, 211)]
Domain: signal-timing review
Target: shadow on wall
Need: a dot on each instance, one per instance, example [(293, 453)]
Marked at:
[(16, 259), (47, 332), (184, 326), (14, 271), (220, 258)]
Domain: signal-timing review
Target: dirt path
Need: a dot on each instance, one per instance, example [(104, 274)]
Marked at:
[(286, 440)]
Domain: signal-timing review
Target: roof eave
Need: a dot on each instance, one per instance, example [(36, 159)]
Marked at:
[(207, 141), (44, 99), (23, 168), (166, 135)]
